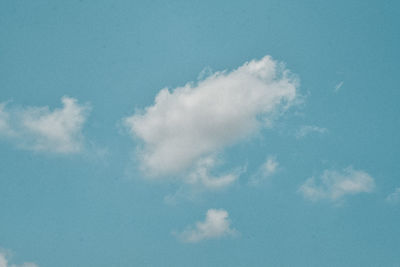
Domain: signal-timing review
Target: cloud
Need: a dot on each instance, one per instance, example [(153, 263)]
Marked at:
[(335, 185), (308, 129), (338, 86), (216, 225), (201, 175), (42, 129), (394, 197), (268, 168), (203, 178), (4, 262), (187, 124)]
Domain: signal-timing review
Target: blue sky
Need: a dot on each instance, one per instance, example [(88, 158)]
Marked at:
[(199, 133)]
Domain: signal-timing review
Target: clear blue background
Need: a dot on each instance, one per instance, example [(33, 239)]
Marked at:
[(89, 211)]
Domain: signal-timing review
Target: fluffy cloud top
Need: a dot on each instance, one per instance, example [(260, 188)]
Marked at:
[(40, 129), (334, 185), (4, 262), (189, 123), (216, 225)]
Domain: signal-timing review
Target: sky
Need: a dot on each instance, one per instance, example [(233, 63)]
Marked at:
[(199, 133)]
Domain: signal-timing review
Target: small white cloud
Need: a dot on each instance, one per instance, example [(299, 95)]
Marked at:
[(40, 129), (308, 129), (190, 123), (334, 185), (204, 178), (201, 175), (268, 168), (394, 197), (338, 86), (4, 262), (216, 225)]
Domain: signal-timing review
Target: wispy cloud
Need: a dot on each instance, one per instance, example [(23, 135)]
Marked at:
[(205, 176), (215, 225), (42, 129), (201, 175), (188, 124), (335, 185), (309, 129), (394, 197), (268, 168), (4, 262), (338, 86), (5, 129)]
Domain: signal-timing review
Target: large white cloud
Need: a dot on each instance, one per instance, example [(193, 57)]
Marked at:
[(334, 185), (215, 225), (4, 262), (190, 123), (42, 129)]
